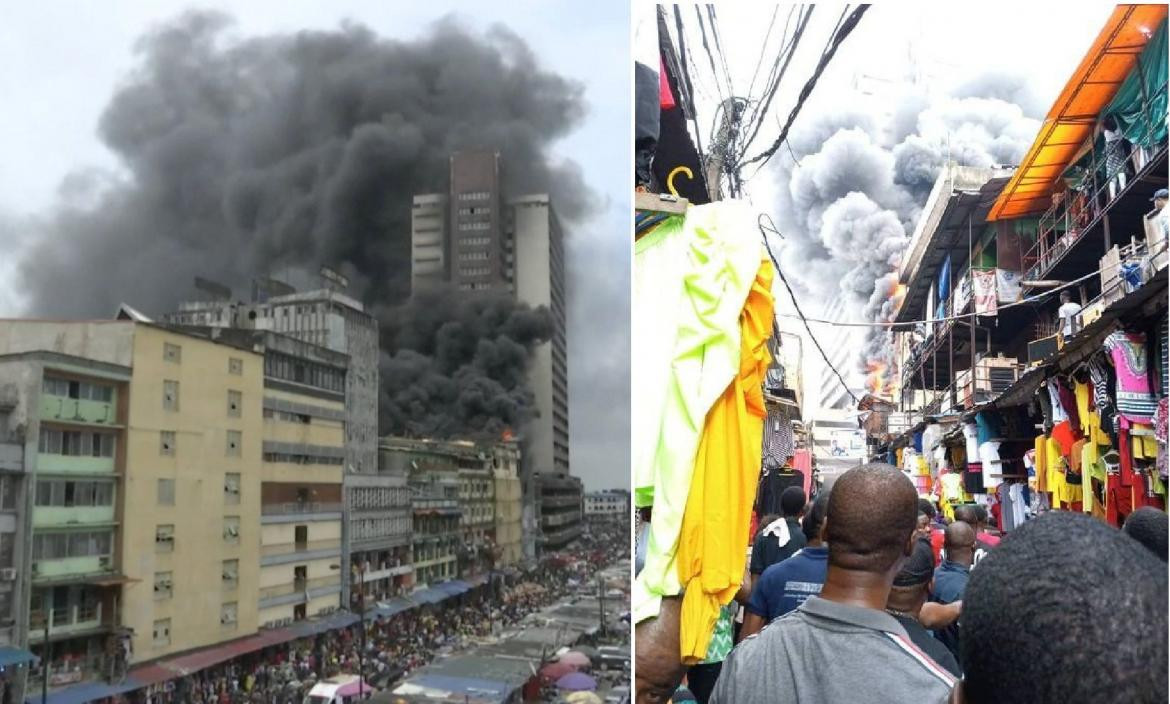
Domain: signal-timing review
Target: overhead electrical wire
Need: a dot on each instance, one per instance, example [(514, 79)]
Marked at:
[(796, 305), (764, 48), (772, 85), (682, 51), (841, 32)]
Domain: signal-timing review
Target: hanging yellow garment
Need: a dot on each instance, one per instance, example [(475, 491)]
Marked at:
[(691, 279), (723, 485), (1056, 482), (1041, 463), (1089, 456)]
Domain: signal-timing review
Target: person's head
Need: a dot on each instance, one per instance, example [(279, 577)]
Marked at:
[(1149, 526), (1109, 123), (981, 513), (813, 523), (872, 514), (912, 583), (1160, 197), (927, 506), (1104, 617), (1065, 297), (967, 513), (792, 502), (959, 542)]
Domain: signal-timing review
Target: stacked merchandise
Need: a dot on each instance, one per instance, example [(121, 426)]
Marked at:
[(702, 315)]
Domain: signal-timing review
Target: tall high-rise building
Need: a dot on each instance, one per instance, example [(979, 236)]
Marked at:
[(476, 238)]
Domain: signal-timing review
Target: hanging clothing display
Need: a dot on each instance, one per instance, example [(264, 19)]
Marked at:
[(691, 280), (718, 509), (778, 439), (1059, 414), (772, 486), (1135, 398), (1007, 285)]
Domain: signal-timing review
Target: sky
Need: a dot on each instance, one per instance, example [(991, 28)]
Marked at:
[(949, 43), (62, 61)]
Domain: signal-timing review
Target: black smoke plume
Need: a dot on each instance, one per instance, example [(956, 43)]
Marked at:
[(273, 155)]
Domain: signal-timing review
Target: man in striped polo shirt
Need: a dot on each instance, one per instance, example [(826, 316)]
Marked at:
[(842, 645)]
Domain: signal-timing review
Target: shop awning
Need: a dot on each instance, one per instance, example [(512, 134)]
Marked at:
[(83, 693), (391, 607), (432, 595), (10, 656), (332, 622), (455, 587), (1070, 121)]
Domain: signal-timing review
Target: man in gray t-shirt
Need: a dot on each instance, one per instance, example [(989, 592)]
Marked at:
[(843, 646)]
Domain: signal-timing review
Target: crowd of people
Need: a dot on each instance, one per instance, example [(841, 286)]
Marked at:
[(399, 644), (885, 600)]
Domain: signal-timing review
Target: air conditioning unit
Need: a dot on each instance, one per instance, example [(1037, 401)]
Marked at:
[(8, 574)]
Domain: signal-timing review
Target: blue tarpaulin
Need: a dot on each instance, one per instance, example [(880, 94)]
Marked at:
[(10, 656), (432, 595), (85, 692), (454, 587), (341, 619), (391, 607)]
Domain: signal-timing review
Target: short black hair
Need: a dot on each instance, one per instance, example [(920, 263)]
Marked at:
[(873, 511), (981, 512), (1077, 628), (927, 506), (1149, 526), (811, 524), (792, 502), (967, 513)]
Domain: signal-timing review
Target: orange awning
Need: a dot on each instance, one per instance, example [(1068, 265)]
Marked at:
[(1071, 120)]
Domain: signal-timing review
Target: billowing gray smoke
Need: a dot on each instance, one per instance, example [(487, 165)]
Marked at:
[(851, 191), (277, 154)]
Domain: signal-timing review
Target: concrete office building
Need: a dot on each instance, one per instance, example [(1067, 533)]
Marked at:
[(559, 499), (127, 414), (380, 529), (432, 472), (475, 238), (607, 505), (477, 521)]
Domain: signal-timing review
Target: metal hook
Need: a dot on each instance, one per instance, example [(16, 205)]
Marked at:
[(670, 179)]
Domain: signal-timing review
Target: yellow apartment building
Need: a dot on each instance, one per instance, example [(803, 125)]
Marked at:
[(508, 499), (191, 513)]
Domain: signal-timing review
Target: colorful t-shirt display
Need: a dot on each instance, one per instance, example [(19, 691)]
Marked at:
[(1135, 398)]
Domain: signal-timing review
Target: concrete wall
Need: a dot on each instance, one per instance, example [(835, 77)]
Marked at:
[(198, 469)]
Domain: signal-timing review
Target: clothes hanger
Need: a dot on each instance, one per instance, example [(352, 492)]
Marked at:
[(652, 208)]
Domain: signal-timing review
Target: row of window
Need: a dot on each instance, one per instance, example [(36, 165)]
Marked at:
[(475, 195), (365, 498), (170, 401), (478, 210), (474, 256), (76, 443), (288, 368), (286, 417), (58, 546), (288, 458), (68, 493), (228, 614), (368, 529), (168, 443), (473, 226), (83, 390), (474, 270)]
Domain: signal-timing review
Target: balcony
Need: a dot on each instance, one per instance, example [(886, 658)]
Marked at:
[(67, 620), (70, 516), (299, 551), (294, 592), (78, 411), (69, 568), (70, 464), (300, 510)]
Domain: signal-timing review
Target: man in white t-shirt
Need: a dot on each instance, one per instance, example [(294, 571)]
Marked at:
[(1068, 314)]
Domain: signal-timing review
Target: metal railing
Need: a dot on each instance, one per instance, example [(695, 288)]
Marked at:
[(303, 546), (299, 586), (291, 508)]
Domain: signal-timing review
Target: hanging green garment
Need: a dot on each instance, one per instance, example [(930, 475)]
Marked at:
[(1140, 103), (691, 279)]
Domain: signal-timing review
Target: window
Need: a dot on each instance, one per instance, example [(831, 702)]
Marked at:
[(74, 443), (231, 530), (172, 353), (301, 535), (231, 488), (166, 440), (231, 573), (69, 493), (164, 538), (235, 366), (170, 395), (233, 443), (166, 492), (227, 614), (235, 400), (162, 632), (81, 390), (58, 546), (7, 544), (7, 493), (162, 585)]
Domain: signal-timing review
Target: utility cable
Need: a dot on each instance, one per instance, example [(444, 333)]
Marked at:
[(843, 31), (796, 305), (786, 53)]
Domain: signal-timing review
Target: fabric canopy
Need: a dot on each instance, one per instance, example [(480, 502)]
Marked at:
[(1072, 119), (1140, 104)]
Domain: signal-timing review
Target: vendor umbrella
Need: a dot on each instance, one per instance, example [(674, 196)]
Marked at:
[(577, 682), (555, 670), (575, 658)]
